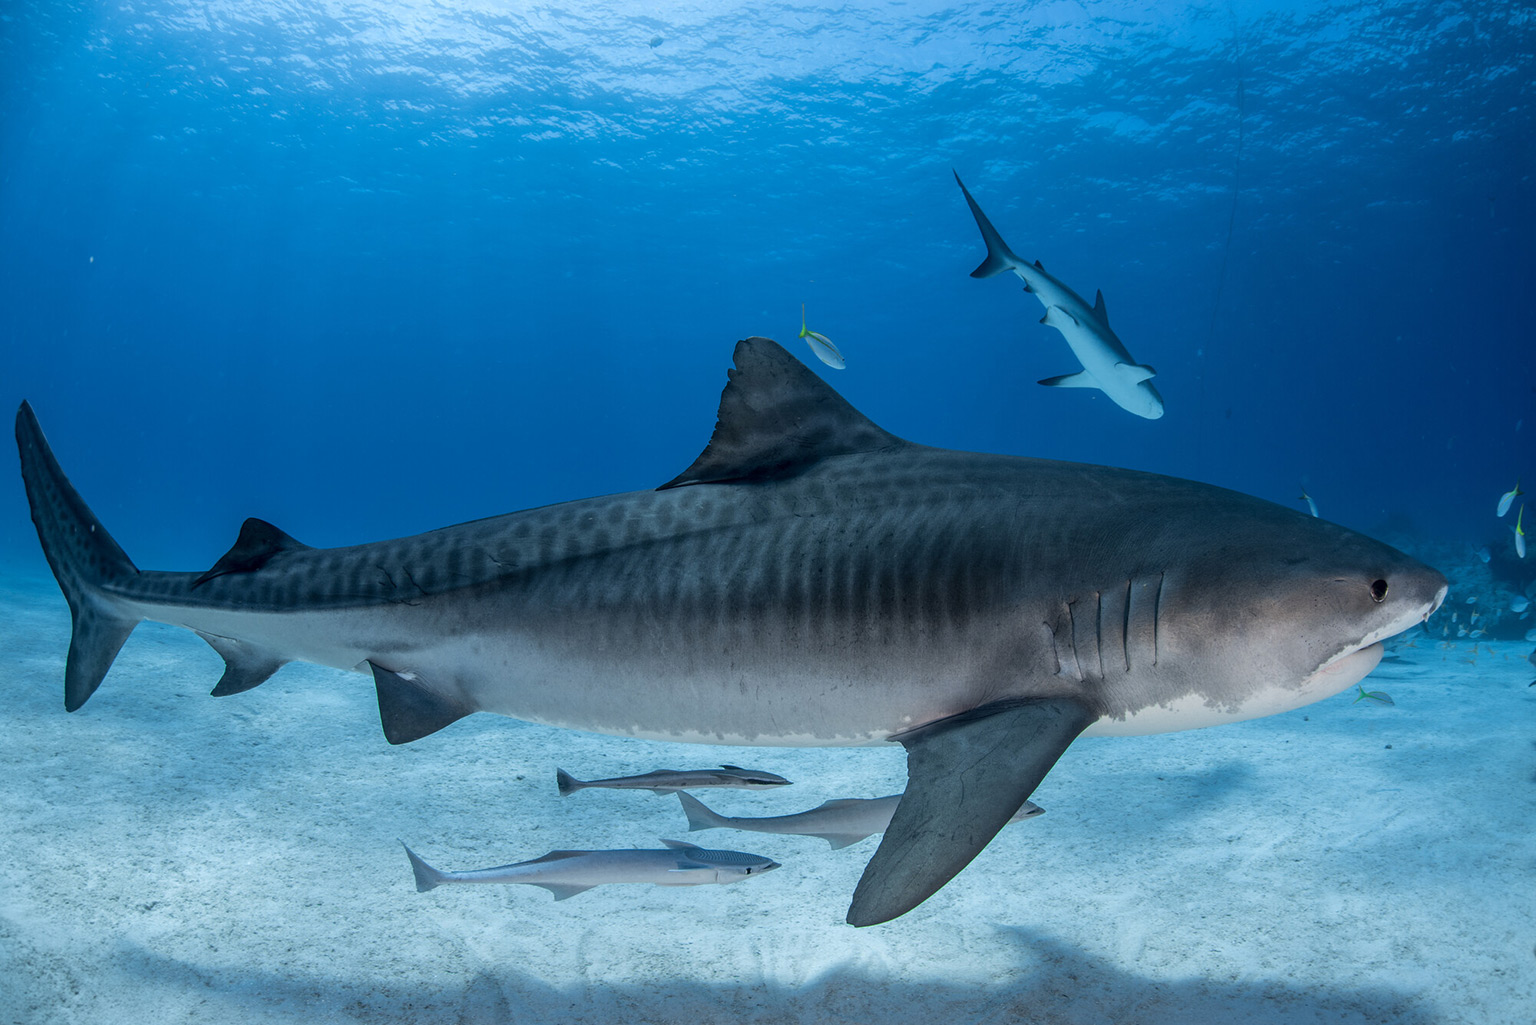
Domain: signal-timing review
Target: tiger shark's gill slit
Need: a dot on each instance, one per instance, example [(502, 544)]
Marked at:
[(1125, 627)]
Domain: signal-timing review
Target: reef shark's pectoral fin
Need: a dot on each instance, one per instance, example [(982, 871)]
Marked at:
[(1059, 318), (776, 420), (1135, 372), (245, 665), (408, 710), (1081, 379), (966, 776)]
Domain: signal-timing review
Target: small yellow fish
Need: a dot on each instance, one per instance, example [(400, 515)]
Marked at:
[(821, 345), (1308, 499), (1520, 532), (1378, 696), (1508, 498)]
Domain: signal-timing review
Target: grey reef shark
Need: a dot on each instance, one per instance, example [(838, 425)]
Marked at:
[(810, 580), (1107, 365)]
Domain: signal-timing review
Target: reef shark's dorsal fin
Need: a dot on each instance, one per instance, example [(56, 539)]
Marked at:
[(777, 419), (1099, 310), (258, 542)]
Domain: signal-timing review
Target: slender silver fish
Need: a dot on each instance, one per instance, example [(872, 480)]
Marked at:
[(840, 823), (567, 873), (668, 781)]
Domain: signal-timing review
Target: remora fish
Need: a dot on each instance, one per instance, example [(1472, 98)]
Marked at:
[(567, 873), (667, 781), (840, 823), (810, 580), (1107, 365)]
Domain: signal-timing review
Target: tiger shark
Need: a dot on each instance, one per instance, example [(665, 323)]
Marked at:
[(1107, 365), (810, 579)]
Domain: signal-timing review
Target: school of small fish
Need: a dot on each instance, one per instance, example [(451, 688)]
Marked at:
[(1506, 500), (1488, 617)]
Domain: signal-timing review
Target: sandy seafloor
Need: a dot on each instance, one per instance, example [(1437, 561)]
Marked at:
[(170, 857)]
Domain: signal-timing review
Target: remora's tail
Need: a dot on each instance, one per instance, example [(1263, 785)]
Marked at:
[(427, 877), (999, 256), (567, 783), (700, 817), (84, 558)]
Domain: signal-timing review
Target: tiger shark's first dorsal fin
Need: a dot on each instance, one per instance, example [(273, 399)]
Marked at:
[(777, 419)]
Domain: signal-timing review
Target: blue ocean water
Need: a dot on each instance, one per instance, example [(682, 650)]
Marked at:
[(366, 270)]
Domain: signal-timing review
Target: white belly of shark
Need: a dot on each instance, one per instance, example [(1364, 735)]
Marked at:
[(811, 579), (1192, 712)]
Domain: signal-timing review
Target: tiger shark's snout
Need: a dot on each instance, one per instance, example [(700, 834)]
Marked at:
[(1434, 606), (1418, 591)]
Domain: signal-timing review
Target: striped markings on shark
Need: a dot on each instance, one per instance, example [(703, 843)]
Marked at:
[(810, 580), (1107, 365)]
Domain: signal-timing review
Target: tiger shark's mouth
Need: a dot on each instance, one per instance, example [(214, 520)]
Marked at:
[(1344, 670), (1352, 665)]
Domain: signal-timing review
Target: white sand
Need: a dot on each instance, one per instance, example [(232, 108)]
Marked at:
[(171, 857)]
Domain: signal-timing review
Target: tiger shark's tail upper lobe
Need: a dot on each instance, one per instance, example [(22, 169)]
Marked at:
[(84, 559)]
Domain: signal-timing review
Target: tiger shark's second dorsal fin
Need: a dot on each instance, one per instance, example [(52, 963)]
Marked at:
[(258, 542), (777, 419)]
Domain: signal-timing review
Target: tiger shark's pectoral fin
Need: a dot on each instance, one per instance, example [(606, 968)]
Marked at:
[(966, 776), (408, 710)]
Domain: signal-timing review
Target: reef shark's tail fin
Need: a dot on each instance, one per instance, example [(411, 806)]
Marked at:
[(999, 256), (84, 559)]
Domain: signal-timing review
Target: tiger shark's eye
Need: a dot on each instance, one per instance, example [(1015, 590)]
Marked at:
[(1378, 590)]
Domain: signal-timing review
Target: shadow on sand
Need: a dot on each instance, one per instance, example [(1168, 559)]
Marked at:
[(1052, 985)]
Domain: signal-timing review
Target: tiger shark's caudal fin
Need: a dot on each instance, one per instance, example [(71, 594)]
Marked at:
[(84, 558)]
